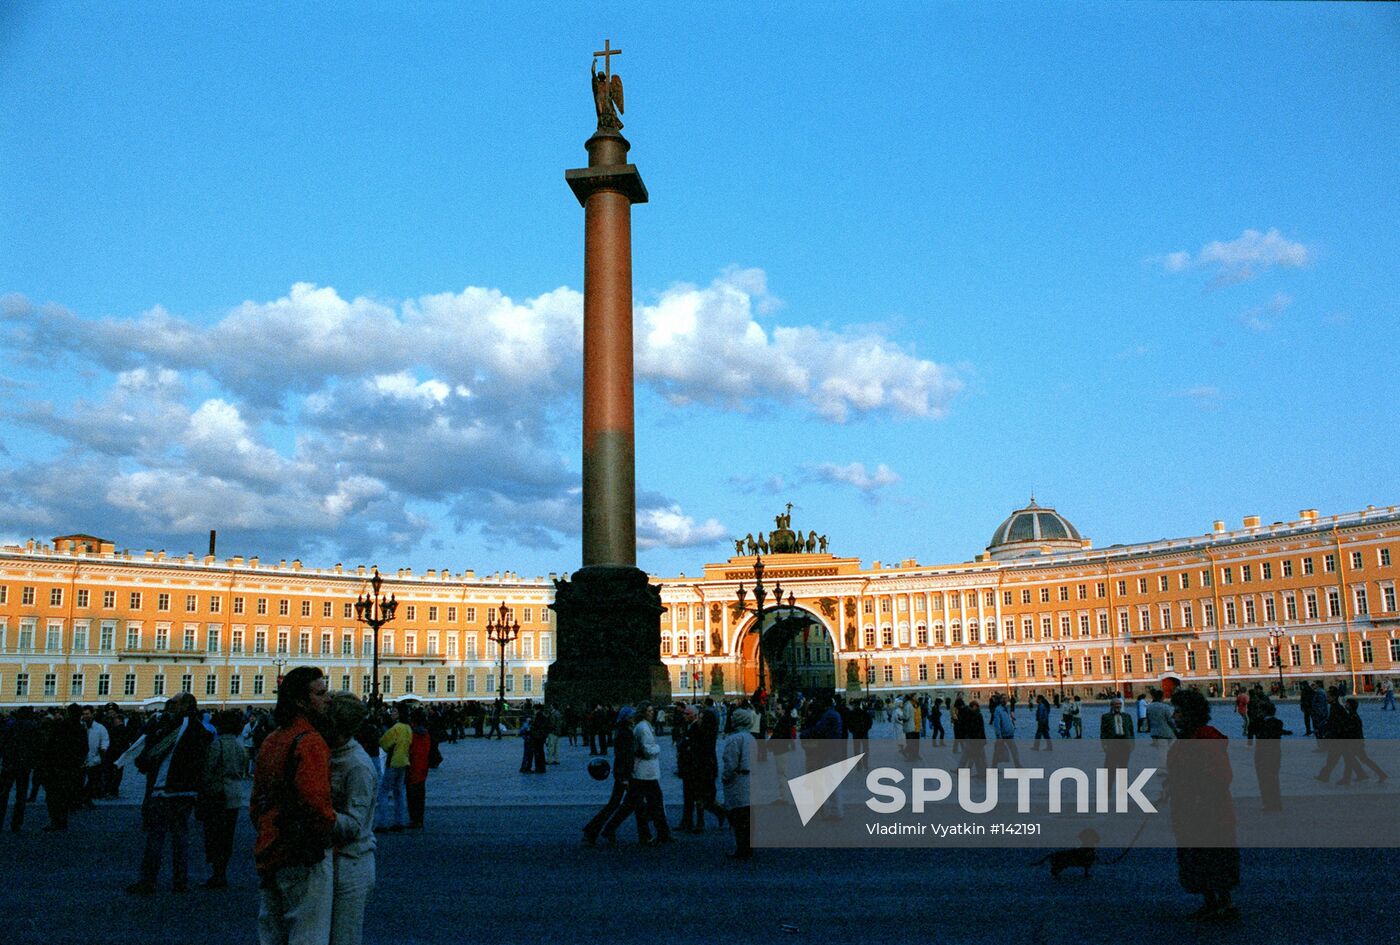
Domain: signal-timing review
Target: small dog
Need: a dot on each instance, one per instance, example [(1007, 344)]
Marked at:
[(1082, 857)]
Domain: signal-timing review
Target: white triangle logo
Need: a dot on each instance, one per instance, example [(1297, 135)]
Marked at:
[(811, 790)]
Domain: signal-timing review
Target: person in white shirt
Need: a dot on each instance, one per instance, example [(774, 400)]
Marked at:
[(644, 790), (98, 743)]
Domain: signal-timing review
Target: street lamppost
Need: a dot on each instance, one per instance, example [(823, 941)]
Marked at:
[(375, 610), (1059, 649), (281, 664), (501, 629), (866, 658), (1276, 634), (760, 594)]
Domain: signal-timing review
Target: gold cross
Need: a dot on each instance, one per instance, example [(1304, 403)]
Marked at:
[(607, 53)]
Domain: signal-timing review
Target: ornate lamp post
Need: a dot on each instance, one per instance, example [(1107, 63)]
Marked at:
[(1276, 635), (502, 629), (866, 658), (1059, 649), (281, 664), (374, 611), (760, 594)]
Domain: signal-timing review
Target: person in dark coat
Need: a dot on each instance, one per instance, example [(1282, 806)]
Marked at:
[(624, 757), (62, 756), (19, 738), (172, 760), (1268, 757), (1202, 811)]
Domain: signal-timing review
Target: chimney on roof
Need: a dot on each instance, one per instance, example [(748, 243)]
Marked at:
[(1251, 521), (1308, 515), (1219, 526)]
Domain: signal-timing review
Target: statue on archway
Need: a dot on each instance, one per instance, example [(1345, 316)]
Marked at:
[(850, 636), (717, 680), (852, 676), (821, 544), (738, 546), (811, 541), (752, 545)]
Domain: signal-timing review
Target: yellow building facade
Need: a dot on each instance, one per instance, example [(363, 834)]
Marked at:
[(1039, 611)]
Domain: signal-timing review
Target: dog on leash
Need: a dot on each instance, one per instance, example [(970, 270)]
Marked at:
[(1082, 857)]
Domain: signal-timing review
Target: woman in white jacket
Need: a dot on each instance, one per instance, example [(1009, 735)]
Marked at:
[(354, 788), (734, 774)]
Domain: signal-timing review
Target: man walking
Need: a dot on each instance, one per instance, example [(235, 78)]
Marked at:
[(621, 772)]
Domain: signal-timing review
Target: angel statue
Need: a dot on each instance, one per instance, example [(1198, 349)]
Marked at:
[(607, 98), (739, 546)]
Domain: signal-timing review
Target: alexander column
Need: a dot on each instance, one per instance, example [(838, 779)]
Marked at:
[(608, 626)]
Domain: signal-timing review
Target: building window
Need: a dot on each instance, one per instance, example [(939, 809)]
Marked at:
[(1266, 570), (1356, 562), (215, 604), (135, 600), (1310, 605), (211, 638), (1270, 609), (1142, 585), (186, 683), (1185, 580), (158, 685), (262, 610), (1339, 653), (189, 641), (1234, 658), (129, 684), (75, 685), (325, 643), (347, 610), (238, 605), (1334, 602), (1382, 553), (21, 684), (1254, 657), (162, 601), (1362, 607), (408, 684), (259, 684), (162, 638), (104, 684), (451, 618), (328, 608), (306, 608), (1249, 610), (471, 615), (304, 642), (284, 608), (1064, 592), (1307, 566), (109, 600), (1388, 598), (451, 683), (1368, 655), (235, 685), (236, 642), (411, 612), (1045, 595), (1227, 575), (1286, 567), (1187, 616), (1025, 595), (1246, 573)]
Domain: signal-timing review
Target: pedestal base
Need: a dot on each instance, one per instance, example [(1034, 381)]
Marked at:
[(608, 626)]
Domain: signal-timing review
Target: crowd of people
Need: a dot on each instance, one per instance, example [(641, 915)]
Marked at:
[(323, 773)]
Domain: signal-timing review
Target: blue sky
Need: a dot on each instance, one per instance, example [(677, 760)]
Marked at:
[(311, 277)]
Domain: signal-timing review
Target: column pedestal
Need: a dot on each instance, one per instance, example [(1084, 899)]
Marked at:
[(608, 624)]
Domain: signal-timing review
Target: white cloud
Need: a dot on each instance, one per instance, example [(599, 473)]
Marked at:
[(1265, 317), (668, 526), (1243, 258), (705, 345), (855, 475), (312, 421)]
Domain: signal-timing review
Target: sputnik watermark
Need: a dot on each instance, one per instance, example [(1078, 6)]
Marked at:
[(1115, 790)]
